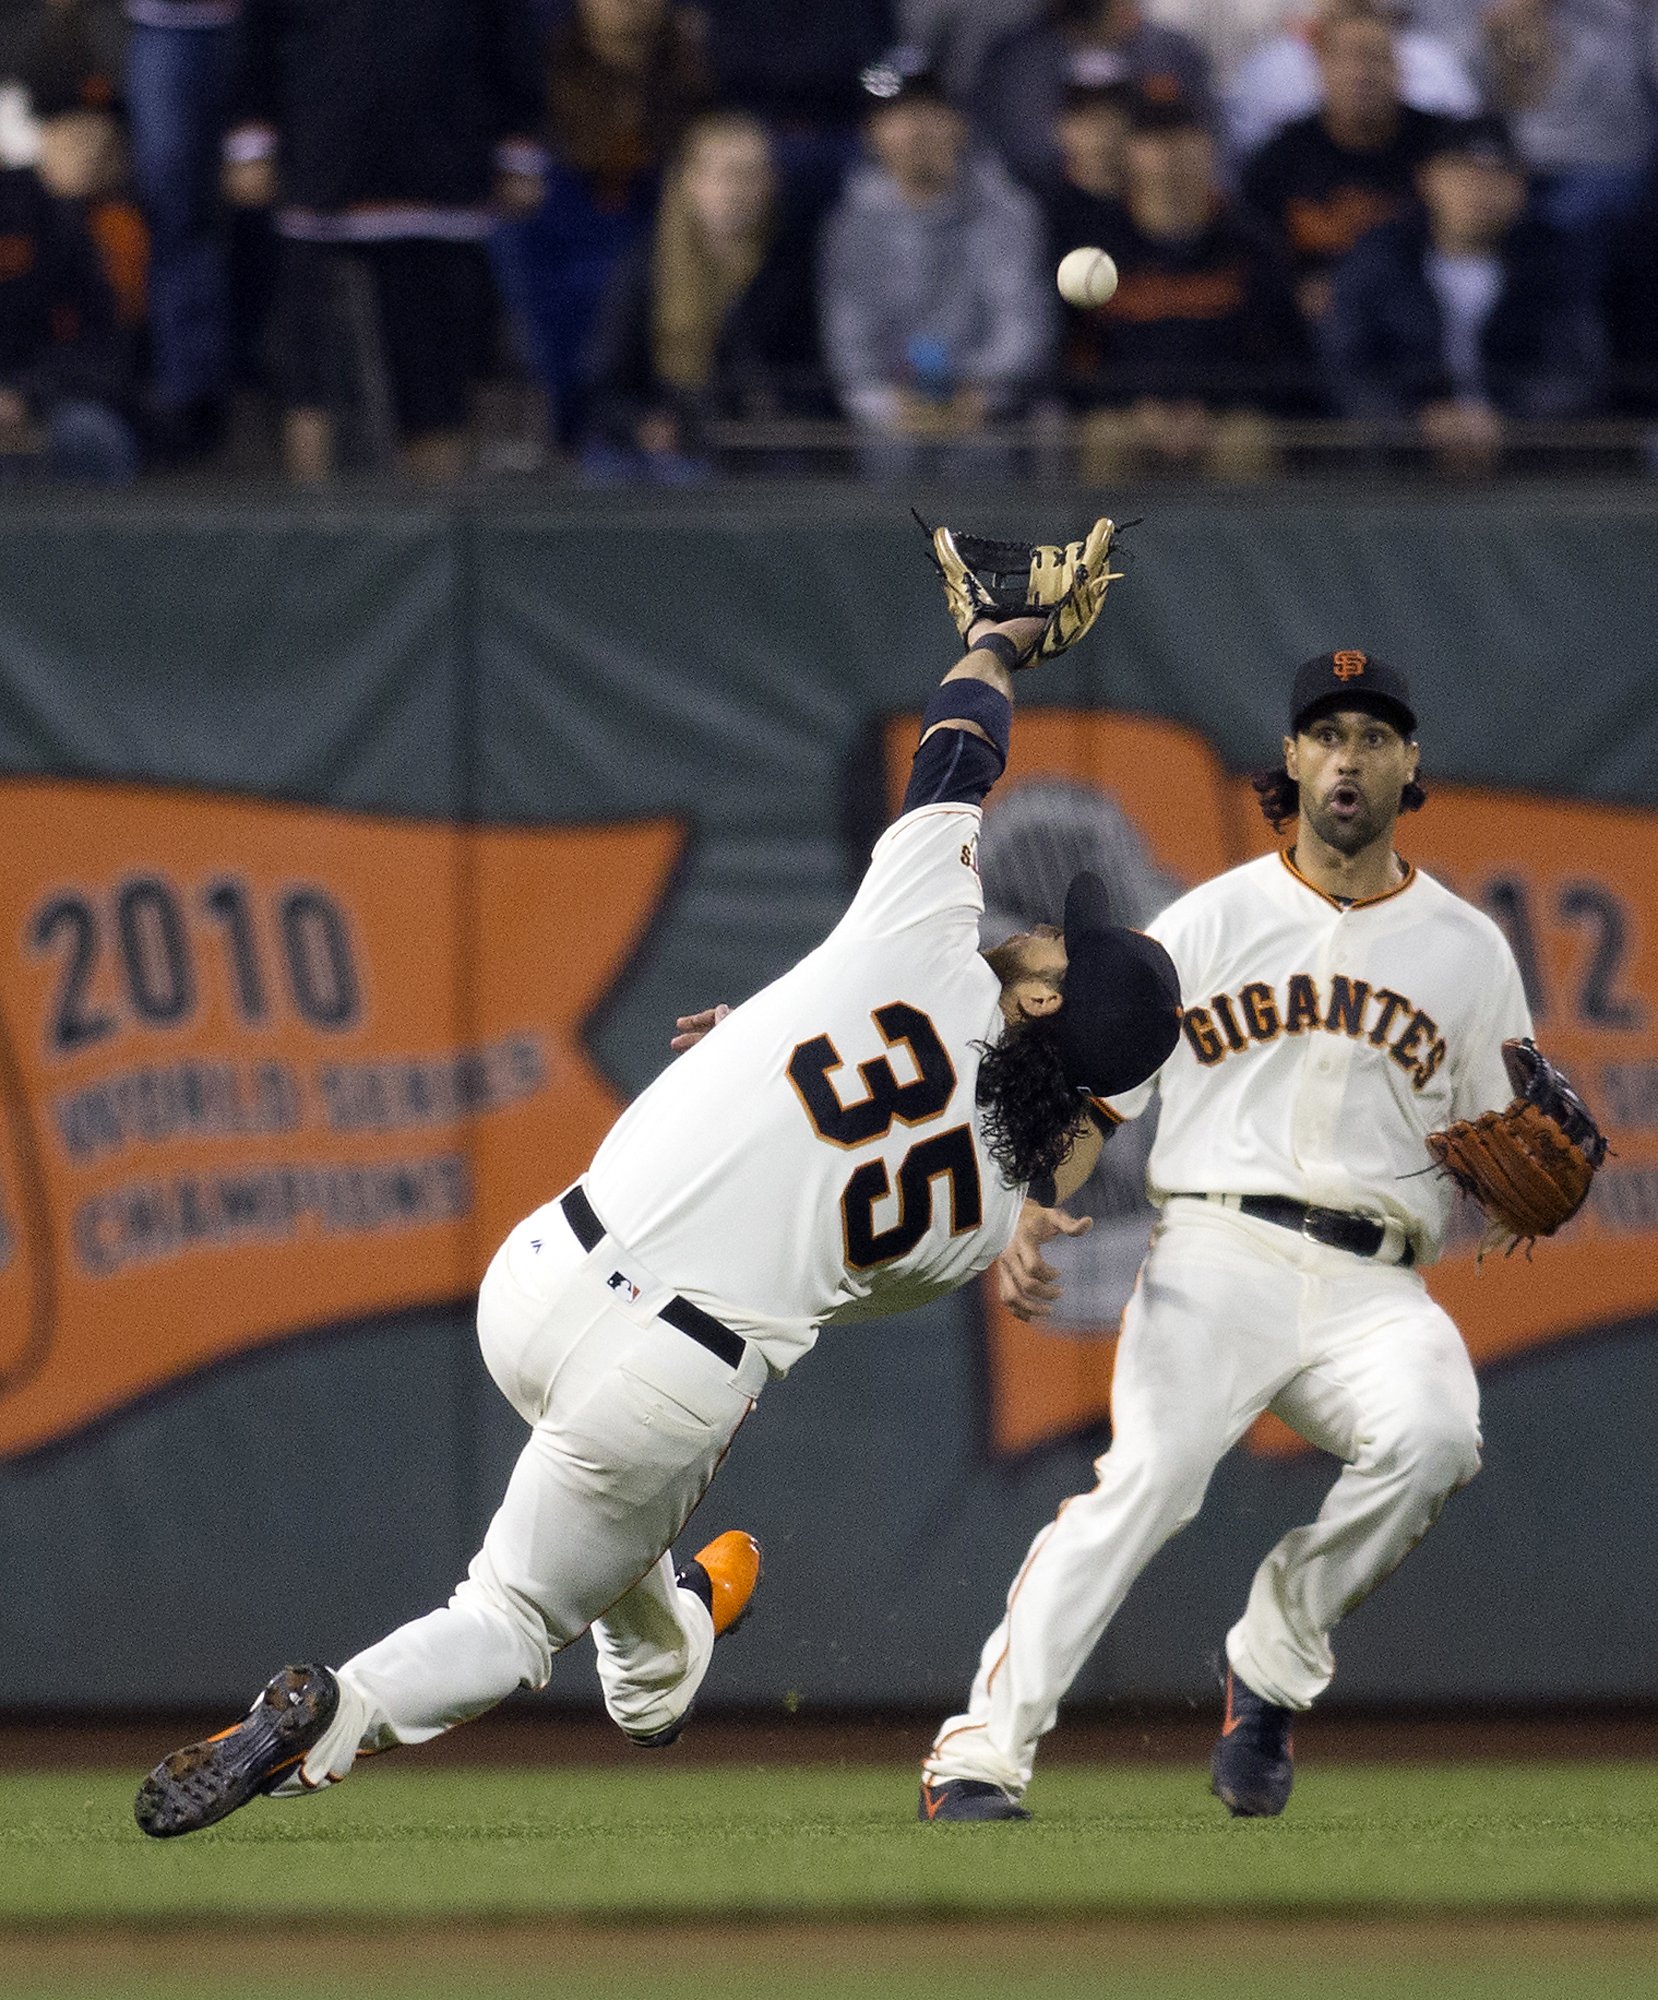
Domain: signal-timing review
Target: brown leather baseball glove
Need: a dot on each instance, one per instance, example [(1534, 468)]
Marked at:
[(1065, 585), (1529, 1166)]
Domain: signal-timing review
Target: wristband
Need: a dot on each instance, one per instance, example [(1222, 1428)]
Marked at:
[(1000, 647), (967, 700)]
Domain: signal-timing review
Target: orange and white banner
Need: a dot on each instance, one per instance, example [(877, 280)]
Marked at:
[(266, 1068)]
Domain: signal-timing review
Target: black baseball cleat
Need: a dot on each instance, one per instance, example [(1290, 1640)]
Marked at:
[(205, 1782), (967, 1799), (726, 1577), (1253, 1764)]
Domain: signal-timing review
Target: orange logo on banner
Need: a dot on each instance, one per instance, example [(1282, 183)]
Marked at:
[(1349, 665), (266, 1068), (1573, 885)]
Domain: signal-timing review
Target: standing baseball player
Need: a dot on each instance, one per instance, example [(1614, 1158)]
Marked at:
[(854, 1140), (1342, 1008)]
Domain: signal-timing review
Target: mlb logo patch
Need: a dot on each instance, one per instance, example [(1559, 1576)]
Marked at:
[(618, 1282)]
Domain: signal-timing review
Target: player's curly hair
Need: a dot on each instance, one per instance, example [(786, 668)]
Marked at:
[(1280, 797), (1032, 1113)]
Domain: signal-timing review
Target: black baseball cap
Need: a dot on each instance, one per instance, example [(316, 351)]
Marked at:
[(1121, 1017), (1349, 678)]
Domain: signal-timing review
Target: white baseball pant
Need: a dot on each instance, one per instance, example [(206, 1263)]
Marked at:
[(1232, 1316), (629, 1421)]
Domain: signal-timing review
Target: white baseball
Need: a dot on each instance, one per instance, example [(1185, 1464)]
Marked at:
[(1086, 277)]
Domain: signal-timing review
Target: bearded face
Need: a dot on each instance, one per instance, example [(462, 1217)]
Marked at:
[(1352, 768)]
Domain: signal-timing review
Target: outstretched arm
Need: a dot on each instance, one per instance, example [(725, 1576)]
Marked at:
[(964, 732), (961, 754)]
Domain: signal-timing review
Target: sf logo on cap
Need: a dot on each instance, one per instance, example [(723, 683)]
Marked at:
[(1349, 665)]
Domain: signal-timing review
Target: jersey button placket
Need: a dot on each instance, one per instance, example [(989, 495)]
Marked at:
[(1322, 1085)]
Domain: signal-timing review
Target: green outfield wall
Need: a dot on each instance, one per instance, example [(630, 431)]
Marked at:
[(357, 857)]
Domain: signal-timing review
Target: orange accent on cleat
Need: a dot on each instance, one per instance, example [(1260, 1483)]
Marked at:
[(731, 1563)]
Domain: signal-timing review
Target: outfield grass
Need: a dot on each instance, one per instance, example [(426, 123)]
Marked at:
[(1468, 1856), (693, 1843), (956, 1971)]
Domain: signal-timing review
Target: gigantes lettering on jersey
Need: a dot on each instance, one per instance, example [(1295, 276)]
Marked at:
[(1258, 1013)]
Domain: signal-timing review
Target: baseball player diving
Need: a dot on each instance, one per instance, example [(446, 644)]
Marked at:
[(854, 1140), (1350, 1027)]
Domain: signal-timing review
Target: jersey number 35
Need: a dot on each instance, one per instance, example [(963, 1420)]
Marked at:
[(946, 1156)]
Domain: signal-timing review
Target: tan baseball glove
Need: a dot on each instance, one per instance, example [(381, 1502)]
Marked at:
[(1065, 586), (1529, 1166)]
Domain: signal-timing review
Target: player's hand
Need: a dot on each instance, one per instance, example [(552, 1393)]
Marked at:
[(692, 1027), (1026, 1282)]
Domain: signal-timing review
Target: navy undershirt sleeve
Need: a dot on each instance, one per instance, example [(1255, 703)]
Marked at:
[(955, 767)]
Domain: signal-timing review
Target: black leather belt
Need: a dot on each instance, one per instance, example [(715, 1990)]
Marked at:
[(1333, 1226), (688, 1319)]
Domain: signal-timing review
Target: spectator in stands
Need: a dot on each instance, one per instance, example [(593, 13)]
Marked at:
[(83, 159), (66, 389), (938, 310), (1093, 137), (1179, 371), (713, 316), (1575, 79), (624, 79), (1022, 84), (180, 58), (1282, 80), (1465, 315), (1327, 179), (394, 133)]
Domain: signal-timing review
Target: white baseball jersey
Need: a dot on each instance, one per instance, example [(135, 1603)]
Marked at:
[(1322, 1043), (818, 1156)]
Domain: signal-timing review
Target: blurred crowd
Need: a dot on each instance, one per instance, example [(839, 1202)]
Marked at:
[(702, 233)]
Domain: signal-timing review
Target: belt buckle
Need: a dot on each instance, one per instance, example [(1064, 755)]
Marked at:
[(1307, 1229)]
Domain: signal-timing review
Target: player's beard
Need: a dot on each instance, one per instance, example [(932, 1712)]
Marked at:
[(1004, 959), (1367, 826)]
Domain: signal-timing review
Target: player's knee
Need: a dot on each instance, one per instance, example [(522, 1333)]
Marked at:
[(1437, 1449), (1166, 1486), (518, 1622)]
